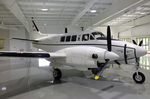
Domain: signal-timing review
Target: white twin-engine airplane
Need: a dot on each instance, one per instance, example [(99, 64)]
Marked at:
[(93, 51)]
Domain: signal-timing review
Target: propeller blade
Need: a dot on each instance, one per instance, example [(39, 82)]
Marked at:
[(109, 39), (125, 53), (134, 42), (117, 62), (141, 43)]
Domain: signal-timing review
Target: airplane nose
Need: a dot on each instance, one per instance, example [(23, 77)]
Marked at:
[(140, 52), (111, 56)]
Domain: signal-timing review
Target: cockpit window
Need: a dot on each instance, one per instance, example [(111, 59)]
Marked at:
[(92, 37), (85, 37), (98, 35)]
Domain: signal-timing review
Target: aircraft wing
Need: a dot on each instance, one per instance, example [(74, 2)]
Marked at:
[(31, 54)]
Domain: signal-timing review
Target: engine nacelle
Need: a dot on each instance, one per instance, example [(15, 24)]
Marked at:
[(84, 56)]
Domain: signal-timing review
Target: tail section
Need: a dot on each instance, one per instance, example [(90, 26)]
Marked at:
[(40, 36), (37, 36)]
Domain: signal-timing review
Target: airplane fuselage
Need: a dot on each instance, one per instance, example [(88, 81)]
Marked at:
[(61, 43)]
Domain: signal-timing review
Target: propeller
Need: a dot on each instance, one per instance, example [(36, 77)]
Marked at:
[(140, 44), (109, 48), (109, 43), (137, 58), (125, 53)]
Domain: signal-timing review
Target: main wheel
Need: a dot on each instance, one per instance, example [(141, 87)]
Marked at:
[(57, 74), (139, 77), (94, 71)]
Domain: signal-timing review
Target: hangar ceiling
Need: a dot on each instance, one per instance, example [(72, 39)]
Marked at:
[(71, 12), (62, 11), (7, 19), (131, 15)]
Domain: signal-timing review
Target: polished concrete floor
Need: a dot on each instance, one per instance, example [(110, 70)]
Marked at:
[(82, 88), (35, 83)]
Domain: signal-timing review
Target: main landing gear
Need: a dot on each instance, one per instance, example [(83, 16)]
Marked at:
[(95, 71), (98, 71), (57, 74)]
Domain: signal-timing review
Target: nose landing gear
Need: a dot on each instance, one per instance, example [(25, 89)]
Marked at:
[(139, 77)]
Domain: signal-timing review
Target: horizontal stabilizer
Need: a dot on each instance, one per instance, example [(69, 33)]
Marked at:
[(25, 54), (22, 39)]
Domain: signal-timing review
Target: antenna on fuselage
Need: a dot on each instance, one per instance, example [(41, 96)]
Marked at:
[(66, 30), (82, 28)]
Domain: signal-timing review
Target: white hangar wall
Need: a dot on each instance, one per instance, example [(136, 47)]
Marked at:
[(137, 28), (59, 29), (139, 31), (13, 69)]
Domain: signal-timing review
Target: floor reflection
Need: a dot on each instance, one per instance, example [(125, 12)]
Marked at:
[(145, 62), (38, 78), (31, 82)]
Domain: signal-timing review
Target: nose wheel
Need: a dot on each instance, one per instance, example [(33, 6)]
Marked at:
[(139, 77)]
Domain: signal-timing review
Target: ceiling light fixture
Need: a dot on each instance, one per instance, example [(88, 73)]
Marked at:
[(44, 9), (93, 11), (4, 88)]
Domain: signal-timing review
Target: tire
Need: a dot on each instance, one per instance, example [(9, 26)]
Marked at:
[(57, 74), (94, 71), (139, 78)]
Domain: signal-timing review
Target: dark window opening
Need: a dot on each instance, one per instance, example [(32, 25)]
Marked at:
[(62, 39), (74, 37), (91, 37), (68, 38), (85, 37), (79, 37)]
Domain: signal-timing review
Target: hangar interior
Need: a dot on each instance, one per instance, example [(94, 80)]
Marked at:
[(28, 78)]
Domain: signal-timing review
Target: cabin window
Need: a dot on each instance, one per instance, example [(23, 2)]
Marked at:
[(91, 37), (68, 38), (79, 36), (85, 37), (74, 37), (62, 39)]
